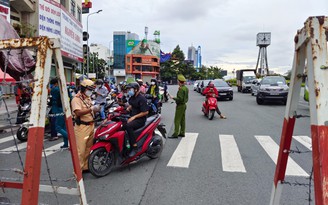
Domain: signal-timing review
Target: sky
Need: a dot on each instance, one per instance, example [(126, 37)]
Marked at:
[(225, 29)]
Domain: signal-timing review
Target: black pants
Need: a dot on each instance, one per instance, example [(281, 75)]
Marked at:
[(131, 126)]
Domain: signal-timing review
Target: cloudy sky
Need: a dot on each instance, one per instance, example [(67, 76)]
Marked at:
[(225, 29)]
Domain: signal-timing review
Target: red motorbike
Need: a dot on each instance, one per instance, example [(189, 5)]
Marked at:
[(111, 146), (209, 108)]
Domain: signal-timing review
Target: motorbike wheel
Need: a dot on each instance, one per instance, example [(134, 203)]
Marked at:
[(211, 114), (22, 133), (155, 147), (99, 166)]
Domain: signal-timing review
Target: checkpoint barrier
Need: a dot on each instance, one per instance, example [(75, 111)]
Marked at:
[(310, 52), (46, 49)]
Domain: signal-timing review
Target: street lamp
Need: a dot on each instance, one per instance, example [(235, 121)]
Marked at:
[(88, 38)]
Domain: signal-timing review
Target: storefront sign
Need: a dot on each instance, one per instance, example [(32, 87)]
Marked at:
[(56, 22)]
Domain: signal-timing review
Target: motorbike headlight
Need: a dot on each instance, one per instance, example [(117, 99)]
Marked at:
[(104, 137)]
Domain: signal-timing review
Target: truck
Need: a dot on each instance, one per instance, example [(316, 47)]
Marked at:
[(244, 79)]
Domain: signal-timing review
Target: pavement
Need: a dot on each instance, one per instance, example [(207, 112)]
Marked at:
[(10, 104)]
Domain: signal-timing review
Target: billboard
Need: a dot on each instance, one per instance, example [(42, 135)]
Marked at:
[(5, 9), (56, 22), (143, 47)]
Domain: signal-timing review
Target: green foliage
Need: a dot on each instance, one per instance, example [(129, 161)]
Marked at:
[(177, 65), (232, 82)]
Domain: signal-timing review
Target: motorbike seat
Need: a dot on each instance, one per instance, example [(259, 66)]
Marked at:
[(148, 122)]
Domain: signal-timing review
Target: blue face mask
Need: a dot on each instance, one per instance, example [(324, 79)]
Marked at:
[(51, 86), (131, 92)]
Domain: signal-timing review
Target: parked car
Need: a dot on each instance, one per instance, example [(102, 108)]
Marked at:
[(196, 85), (225, 91), (255, 86), (203, 85), (272, 88)]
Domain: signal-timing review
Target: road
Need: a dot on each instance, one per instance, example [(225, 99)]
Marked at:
[(229, 161)]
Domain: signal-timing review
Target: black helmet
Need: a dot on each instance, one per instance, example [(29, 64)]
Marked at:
[(134, 85), (99, 82)]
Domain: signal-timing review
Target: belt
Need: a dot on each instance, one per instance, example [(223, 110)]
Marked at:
[(86, 123)]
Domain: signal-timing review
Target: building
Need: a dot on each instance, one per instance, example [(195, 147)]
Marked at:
[(52, 18), (191, 53), (102, 52), (134, 58), (199, 57)]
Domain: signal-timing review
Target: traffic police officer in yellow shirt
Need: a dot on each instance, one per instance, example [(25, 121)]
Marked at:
[(180, 113), (84, 121)]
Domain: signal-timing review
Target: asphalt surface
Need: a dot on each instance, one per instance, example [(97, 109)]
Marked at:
[(204, 181)]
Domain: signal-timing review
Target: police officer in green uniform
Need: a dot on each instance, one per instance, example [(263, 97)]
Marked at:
[(180, 113)]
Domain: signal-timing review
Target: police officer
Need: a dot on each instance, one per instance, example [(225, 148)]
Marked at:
[(84, 127), (180, 113), (139, 111)]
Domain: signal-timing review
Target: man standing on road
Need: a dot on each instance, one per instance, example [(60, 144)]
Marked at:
[(84, 128), (180, 113)]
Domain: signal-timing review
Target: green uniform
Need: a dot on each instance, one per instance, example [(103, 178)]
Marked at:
[(180, 112)]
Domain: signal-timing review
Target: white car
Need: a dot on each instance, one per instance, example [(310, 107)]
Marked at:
[(255, 86), (196, 84)]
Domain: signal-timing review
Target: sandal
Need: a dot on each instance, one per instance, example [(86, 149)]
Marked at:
[(223, 117)]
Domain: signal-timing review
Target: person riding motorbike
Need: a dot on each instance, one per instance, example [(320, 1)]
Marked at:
[(154, 91), (101, 92), (208, 92), (142, 87), (139, 110)]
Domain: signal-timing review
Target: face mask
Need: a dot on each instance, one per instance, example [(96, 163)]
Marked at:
[(131, 92), (153, 83), (88, 93), (51, 86)]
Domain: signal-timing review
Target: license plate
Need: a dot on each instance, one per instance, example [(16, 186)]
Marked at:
[(223, 93), (274, 93)]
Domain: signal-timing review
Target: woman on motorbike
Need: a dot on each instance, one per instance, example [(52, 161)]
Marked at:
[(208, 92), (154, 91)]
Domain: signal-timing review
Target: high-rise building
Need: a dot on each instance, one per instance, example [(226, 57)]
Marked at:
[(134, 58), (199, 57), (120, 46), (191, 53)]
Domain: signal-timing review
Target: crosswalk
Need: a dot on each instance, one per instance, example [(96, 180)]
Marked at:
[(231, 158), (23, 145)]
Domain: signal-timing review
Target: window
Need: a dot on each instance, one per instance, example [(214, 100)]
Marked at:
[(73, 7), (79, 13), (63, 2)]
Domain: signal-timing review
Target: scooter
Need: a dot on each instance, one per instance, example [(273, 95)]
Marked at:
[(111, 147), (209, 108)]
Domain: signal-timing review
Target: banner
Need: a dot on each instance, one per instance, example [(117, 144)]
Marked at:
[(5, 9), (56, 22)]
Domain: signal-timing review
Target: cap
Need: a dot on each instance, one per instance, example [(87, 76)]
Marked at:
[(181, 78)]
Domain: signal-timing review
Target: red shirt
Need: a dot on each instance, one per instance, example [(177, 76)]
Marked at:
[(208, 91)]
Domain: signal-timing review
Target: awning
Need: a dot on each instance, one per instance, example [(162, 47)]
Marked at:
[(8, 78)]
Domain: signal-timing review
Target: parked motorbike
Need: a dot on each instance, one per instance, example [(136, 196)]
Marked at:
[(24, 109), (209, 108), (111, 147)]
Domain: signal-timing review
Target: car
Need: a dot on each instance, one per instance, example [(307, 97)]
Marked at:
[(203, 85), (255, 86), (272, 88), (196, 85), (225, 91)]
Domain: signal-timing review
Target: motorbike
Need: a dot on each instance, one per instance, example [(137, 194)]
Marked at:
[(152, 108), (24, 119), (111, 147), (24, 109), (209, 108)]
